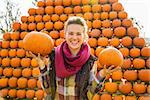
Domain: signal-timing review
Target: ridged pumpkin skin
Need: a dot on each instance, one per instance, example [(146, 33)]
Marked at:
[(111, 56), (38, 42)]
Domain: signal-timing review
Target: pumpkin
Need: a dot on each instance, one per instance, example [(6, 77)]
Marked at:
[(23, 34), (117, 75), (103, 41), (5, 44), (106, 7), (130, 98), (144, 75), (21, 53), (54, 34), (39, 94), (58, 25), (8, 72), (34, 62), (118, 97), (38, 18), (144, 98), (21, 93), (86, 8), (30, 94), (96, 8), (33, 40), (12, 52), (59, 41), (39, 84), (96, 16), (124, 51), (104, 15), (117, 6), (24, 19), (67, 2), (32, 83), (27, 72), (5, 62), (46, 18), (95, 33), (126, 22), (106, 23), (17, 72), (126, 41), (133, 31), (3, 92), (58, 10), (130, 75), (98, 50), (40, 26), (40, 3), (112, 15), (92, 42), (111, 87), (6, 36), (68, 10), (35, 72), (77, 9), (25, 62), (119, 31), (13, 44), (22, 82), (96, 97), (31, 11), (40, 11), (49, 2), (122, 15), (63, 17), (58, 2), (88, 16), (96, 24), (125, 88), (126, 63), (145, 51), (116, 23), (32, 26), (16, 26), (12, 93), (24, 26), (4, 52), (114, 42), (138, 63), (135, 52), (31, 19), (139, 88), (3, 82), (15, 62), (139, 42), (12, 82), (106, 57), (105, 97)]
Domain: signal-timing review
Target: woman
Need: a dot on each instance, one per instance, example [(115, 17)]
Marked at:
[(69, 71)]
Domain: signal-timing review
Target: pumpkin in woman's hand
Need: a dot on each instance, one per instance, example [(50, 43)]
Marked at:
[(38, 42), (110, 56)]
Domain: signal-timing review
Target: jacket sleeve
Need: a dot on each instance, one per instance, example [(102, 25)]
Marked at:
[(44, 78), (95, 82)]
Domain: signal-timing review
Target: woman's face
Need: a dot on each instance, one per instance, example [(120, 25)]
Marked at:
[(74, 36)]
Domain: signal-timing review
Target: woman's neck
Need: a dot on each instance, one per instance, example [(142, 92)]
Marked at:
[(74, 52)]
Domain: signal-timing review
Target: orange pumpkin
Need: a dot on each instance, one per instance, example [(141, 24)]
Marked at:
[(12, 93), (33, 40), (125, 88), (12, 82), (39, 94), (105, 97), (21, 94), (117, 75), (139, 88), (126, 63), (17, 72), (139, 42), (145, 51), (138, 63), (25, 62), (8, 72), (22, 82), (106, 57), (32, 83), (111, 87), (26, 72), (30, 94), (6, 36), (130, 75), (144, 75)]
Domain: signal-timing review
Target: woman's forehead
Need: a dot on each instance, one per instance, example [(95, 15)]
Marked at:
[(75, 28)]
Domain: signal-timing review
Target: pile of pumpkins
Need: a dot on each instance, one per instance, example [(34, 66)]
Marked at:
[(108, 25)]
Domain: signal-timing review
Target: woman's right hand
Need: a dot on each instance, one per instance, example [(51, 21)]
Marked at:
[(42, 61)]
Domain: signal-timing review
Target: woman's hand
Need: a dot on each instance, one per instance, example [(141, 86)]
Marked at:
[(104, 72), (42, 61)]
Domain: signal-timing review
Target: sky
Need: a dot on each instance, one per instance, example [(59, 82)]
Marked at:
[(138, 9)]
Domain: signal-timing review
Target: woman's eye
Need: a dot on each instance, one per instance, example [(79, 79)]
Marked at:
[(78, 34)]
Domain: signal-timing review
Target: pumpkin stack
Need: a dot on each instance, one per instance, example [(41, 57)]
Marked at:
[(108, 25)]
